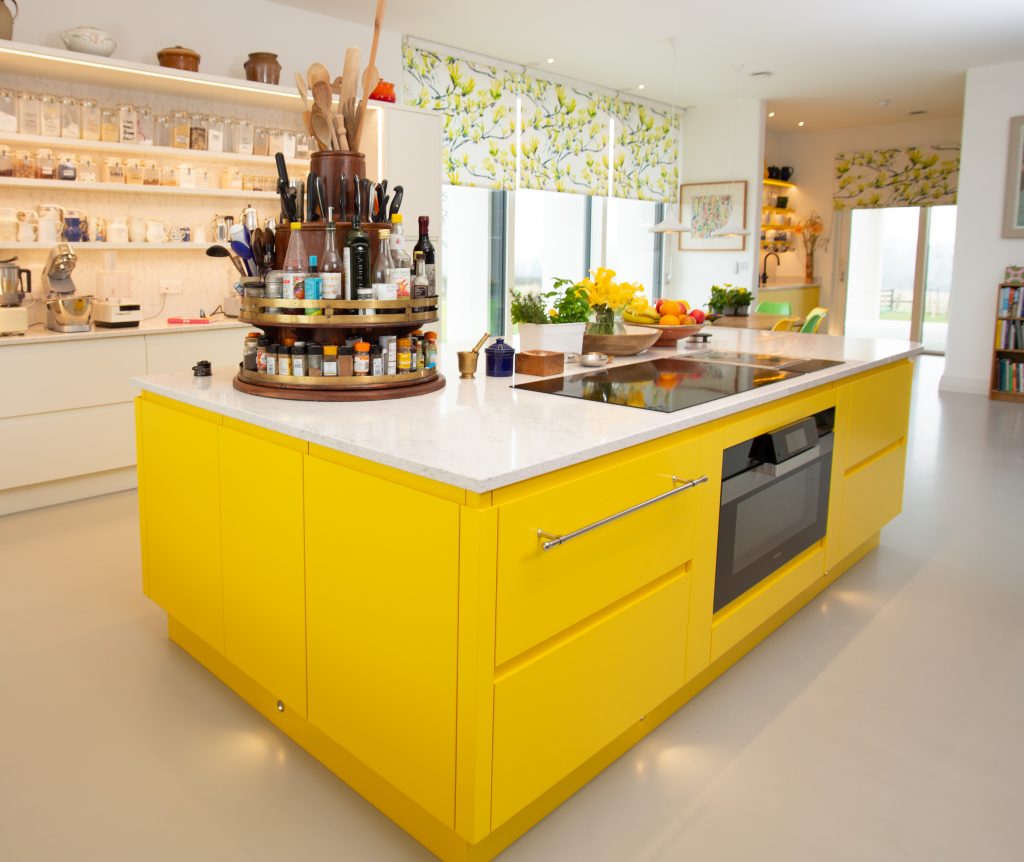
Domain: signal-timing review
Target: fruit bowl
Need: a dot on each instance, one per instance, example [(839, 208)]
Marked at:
[(669, 335), (634, 341)]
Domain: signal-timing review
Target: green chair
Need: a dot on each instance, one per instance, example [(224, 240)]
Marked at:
[(773, 308), (814, 318)]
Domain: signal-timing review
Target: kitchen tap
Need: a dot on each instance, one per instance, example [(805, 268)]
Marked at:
[(764, 270)]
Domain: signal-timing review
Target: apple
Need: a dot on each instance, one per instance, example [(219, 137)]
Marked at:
[(697, 315), (658, 304)]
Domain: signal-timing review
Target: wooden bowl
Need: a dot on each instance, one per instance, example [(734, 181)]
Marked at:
[(633, 342), (669, 335)]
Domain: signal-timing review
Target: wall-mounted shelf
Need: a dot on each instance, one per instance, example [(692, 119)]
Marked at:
[(776, 227), (122, 188), (59, 145), (778, 210), (79, 247), (18, 58), (782, 184)]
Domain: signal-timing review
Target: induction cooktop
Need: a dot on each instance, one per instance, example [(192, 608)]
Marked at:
[(677, 382)]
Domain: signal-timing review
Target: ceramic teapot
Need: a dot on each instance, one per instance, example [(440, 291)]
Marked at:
[(76, 226)]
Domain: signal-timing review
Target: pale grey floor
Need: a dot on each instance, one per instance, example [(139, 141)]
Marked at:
[(885, 721)]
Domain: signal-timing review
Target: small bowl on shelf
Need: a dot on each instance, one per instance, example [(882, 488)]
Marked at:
[(669, 335)]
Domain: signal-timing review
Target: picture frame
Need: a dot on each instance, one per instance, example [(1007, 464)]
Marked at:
[(704, 207), (1013, 213)]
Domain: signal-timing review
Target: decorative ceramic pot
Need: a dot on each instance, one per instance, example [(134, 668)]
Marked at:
[(561, 337), (7, 19), (89, 40), (179, 58), (263, 66)]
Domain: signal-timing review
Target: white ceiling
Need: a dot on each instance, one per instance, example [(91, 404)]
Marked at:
[(831, 62)]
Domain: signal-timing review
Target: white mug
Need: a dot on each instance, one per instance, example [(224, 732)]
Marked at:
[(117, 229), (49, 229), (199, 233), (156, 231), (27, 231), (137, 229)]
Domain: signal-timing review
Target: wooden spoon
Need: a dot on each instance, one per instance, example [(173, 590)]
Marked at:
[(321, 128), (350, 74), (317, 72), (323, 98), (371, 75), (349, 113)]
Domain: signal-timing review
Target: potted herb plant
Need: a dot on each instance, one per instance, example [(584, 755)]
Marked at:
[(554, 320), (719, 299), (739, 299)]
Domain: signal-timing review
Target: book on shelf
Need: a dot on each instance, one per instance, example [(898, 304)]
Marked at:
[(1010, 335), (1010, 376), (1011, 301)]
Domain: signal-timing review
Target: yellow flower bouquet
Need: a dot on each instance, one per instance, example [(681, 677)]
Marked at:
[(607, 299)]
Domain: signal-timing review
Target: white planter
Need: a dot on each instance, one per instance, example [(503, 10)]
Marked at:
[(561, 337)]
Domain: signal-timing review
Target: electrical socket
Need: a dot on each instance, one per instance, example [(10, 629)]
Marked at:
[(170, 286), (742, 265)]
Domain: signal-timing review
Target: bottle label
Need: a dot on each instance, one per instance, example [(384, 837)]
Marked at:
[(430, 279), (271, 363), (298, 366), (378, 366), (285, 366), (361, 364), (330, 285), (385, 290), (330, 368), (291, 285), (404, 361), (402, 277), (346, 270)]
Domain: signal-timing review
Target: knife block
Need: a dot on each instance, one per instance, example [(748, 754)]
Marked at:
[(330, 165), (314, 236)]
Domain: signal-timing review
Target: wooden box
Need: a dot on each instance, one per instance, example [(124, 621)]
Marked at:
[(540, 363)]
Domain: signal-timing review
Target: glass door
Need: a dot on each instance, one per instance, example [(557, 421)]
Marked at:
[(938, 278)]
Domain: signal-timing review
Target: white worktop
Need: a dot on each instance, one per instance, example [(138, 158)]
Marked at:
[(481, 434), (159, 326)]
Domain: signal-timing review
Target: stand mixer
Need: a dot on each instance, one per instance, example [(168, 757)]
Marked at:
[(15, 282), (65, 312)]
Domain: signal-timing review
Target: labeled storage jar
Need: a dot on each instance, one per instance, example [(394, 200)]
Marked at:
[(70, 118), (8, 111), (90, 120), (108, 125), (28, 113), (197, 130), (180, 130), (49, 117), (127, 120)]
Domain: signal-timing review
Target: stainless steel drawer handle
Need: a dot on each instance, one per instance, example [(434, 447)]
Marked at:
[(552, 540)]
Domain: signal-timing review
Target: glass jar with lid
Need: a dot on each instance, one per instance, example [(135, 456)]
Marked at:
[(230, 135), (87, 170), (67, 167), (168, 175), (113, 170), (90, 120), (197, 131), (28, 113), (275, 141), (243, 138), (150, 174), (180, 130), (144, 126), (133, 172), (46, 165), (260, 141), (162, 130), (127, 120), (8, 111), (49, 116), (70, 118), (6, 161), (301, 145), (24, 165), (108, 125), (215, 134)]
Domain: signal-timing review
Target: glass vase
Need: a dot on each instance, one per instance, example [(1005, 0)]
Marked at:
[(605, 321)]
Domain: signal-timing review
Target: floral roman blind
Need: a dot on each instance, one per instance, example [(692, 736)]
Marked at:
[(478, 101), (646, 160), (563, 130), (897, 177)]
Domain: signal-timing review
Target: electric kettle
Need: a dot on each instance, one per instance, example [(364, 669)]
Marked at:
[(15, 282)]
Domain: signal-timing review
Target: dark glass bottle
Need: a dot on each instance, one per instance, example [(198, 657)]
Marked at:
[(357, 259), (425, 248)]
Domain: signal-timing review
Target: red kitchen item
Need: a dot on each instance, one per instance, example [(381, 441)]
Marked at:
[(384, 92)]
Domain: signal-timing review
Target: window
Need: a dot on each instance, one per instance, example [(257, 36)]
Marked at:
[(551, 238), (631, 249)]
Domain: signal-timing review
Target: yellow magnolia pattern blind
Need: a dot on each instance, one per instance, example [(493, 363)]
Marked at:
[(897, 177), (561, 141)]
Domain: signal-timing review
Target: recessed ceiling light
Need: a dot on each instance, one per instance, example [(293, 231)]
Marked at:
[(761, 74), (800, 123), (916, 113), (884, 103), (639, 86), (771, 114), (551, 59)]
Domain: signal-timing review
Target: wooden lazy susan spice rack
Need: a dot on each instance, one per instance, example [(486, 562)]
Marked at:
[(334, 321)]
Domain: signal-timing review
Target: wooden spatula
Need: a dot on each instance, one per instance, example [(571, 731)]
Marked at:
[(323, 97), (371, 75)]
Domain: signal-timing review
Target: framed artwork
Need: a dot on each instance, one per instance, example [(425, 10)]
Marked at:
[(707, 207), (1013, 218)]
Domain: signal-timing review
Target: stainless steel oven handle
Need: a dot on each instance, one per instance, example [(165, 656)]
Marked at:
[(553, 540)]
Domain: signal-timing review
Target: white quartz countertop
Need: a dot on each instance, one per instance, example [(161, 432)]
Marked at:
[(481, 434), (158, 326)]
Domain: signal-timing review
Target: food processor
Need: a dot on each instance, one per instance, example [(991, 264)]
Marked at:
[(65, 312), (15, 282)]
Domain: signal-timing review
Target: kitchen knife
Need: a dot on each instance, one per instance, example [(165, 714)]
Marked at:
[(397, 202), (357, 209), (342, 198), (321, 197), (378, 210), (311, 196), (367, 191)]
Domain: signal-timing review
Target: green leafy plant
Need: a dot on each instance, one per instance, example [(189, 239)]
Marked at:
[(719, 298), (527, 307), (737, 297), (572, 303)]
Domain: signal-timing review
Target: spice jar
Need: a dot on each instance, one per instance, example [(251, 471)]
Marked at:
[(168, 176), (133, 172), (70, 118), (49, 117), (8, 111), (150, 174), (215, 134), (67, 167), (346, 364), (315, 360), (87, 170), (430, 351), (249, 347), (299, 360), (180, 130), (24, 165), (90, 120), (6, 162), (46, 165), (28, 113), (284, 361), (197, 130), (330, 362), (272, 352), (113, 171), (127, 124), (261, 354), (361, 359), (108, 125), (404, 356)]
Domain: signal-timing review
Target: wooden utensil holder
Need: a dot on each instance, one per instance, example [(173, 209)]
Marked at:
[(330, 165)]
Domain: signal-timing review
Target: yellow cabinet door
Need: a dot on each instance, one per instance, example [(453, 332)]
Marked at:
[(180, 488), (263, 560), (872, 496), (382, 572), (879, 412), (564, 705)]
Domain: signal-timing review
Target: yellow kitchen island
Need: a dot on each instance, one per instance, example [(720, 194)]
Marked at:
[(372, 578)]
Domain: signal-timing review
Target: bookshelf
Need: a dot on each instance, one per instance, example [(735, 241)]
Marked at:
[(1008, 345)]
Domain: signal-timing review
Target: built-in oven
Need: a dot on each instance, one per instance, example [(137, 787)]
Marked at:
[(774, 502)]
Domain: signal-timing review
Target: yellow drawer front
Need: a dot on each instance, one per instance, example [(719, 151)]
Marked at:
[(739, 618), (182, 524), (566, 704), (382, 572), (872, 496), (541, 593), (879, 412), (264, 575)]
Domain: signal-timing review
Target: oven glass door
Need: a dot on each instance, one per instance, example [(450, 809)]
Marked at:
[(768, 520)]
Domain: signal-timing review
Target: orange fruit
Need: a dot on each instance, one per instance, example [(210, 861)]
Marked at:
[(686, 320), (671, 308), (669, 320)]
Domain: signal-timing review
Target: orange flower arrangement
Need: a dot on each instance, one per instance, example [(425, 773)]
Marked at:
[(812, 229)]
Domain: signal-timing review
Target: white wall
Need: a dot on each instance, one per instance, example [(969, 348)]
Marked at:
[(993, 95), (720, 142), (223, 32), (812, 156)]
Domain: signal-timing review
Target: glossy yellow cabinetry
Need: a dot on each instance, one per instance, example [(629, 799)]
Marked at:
[(422, 643)]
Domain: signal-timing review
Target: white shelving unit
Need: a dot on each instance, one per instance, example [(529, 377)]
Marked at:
[(124, 189), (79, 247)]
